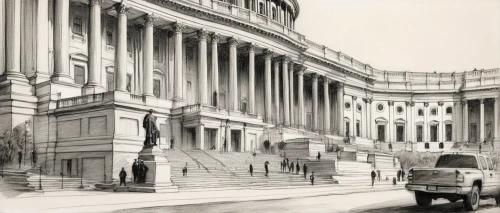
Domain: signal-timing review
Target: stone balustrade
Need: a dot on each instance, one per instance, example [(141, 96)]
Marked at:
[(220, 111)]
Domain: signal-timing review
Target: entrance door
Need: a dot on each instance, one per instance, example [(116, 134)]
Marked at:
[(488, 132), (381, 132), (253, 142), (235, 141), (93, 169), (473, 133), (347, 132), (434, 133)]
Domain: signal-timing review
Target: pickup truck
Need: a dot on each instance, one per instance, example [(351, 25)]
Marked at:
[(466, 176)]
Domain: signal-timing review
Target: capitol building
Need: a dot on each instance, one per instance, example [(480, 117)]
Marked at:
[(219, 74)]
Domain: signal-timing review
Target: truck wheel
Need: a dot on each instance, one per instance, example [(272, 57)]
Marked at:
[(471, 201), (497, 199), (423, 199)]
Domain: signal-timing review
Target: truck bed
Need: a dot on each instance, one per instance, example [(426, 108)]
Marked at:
[(435, 176)]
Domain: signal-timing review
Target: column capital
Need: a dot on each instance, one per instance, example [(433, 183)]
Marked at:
[(149, 20), (251, 47), (465, 102), (354, 98), (370, 100), (215, 37), (122, 9), (326, 80), (301, 70), (391, 103), (426, 104), (440, 103), (202, 34), (233, 41), (365, 100), (407, 103), (481, 100), (179, 27), (315, 77), (291, 66), (285, 59), (340, 84), (276, 62), (95, 2), (268, 53)]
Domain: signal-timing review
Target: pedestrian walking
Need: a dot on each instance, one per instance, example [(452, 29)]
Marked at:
[(292, 167), (374, 175), (266, 168), (135, 170), (312, 178), (394, 181), (185, 170), (297, 167), (390, 147), (122, 176), (378, 174), (304, 167), (34, 158), (251, 170), (399, 175), (402, 174), (287, 164), (318, 157)]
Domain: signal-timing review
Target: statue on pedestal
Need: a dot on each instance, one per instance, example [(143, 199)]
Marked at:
[(152, 132)]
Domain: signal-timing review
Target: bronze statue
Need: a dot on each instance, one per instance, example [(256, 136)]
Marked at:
[(152, 132)]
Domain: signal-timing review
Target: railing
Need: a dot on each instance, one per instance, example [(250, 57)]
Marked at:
[(212, 109), (80, 100)]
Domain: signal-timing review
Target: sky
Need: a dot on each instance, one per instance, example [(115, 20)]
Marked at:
[(407, 35)]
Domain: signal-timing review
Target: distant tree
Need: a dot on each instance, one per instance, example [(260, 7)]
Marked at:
[(13, 141)]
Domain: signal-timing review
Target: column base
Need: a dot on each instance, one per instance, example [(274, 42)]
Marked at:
[(62, 78), (39, 78), (89, 89), (326, 132), (179, 102)]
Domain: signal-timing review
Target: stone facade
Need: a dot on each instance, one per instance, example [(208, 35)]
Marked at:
[(216, 72)]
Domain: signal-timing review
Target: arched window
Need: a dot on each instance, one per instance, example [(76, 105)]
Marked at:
[(222, 99), (244, 105), (434, 111), (274, 13), (261, 8), (449, 110), (420, 112)]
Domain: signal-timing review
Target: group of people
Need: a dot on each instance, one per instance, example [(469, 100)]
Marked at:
[(295, 168), (401, 175), (139, 171)]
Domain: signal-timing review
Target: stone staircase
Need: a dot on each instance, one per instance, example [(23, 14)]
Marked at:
[(17, 180), (56, 183)]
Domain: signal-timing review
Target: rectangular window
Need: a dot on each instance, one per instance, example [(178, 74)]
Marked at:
[(156, 88), (419, 133), (483, 163), (129, 83), (110, 81), (448, 132), (347, 129), (79, 75), (358, 131), (434, 111), (381, 132), (78, 26), (434, 133), (129, 46), (400, 133), (109, 36), (156, 50)]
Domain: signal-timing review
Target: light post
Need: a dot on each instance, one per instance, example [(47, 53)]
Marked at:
[(62, 181), (25, 142), (40, 179)]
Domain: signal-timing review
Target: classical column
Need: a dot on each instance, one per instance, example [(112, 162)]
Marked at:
[(202, 67), (277, 91), (340, 107), (302, 116), (426, 136), (121, 50), (286, 93), (251, 78), (94, 46), (233, 74), (481, 120), (457, 121), (314, 102), (441, 125), (148, 55), (61, 39), (495, 119), (465, 116), (369, 121), (228, 139), (42, 38), (13, 39), (268, 54), (215, 69), (391, 121), (409, 121), (363, 116), (200, 137), (292, 95), (326, 98), (178, 28), (354, 108)]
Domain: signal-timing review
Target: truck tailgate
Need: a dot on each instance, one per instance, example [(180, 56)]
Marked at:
[(434, 176)]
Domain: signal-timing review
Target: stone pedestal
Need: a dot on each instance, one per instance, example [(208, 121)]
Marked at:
[(158, 175)]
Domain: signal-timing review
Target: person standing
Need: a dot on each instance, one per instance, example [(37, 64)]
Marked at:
[(281, 166), (19, 158), (297, 167), (374, 175), (251, 170), (292, 167), (402, 174), (378, 174), (135, 170), (287, 164), (152, 132), (122, 176), (399, 175), (266, 168), (34, 158), (318, 157), (304, 167), (312, 178), (143, 169)]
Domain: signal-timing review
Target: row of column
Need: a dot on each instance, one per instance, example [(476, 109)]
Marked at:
[(465, 114)]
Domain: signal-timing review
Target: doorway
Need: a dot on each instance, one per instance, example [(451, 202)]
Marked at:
[(190, 139), (358, 131), (473, 133), (235, 140), (210, 139), (253, 142), (347, 125), (381, 132), (434, 133)]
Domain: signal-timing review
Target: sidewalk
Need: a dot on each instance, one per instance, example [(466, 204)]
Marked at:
[(95, 201)]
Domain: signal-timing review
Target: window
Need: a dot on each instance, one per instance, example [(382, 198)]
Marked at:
[(483, 163), (420, 112), (399, 110), (79, 75), (381, 132), (274, 13), (441, 145), (434, 133), (434, 111), (261, 8), (110, 81), (448, 132), (347, 105), (129, 46), (358, 129), (457, 161), (490, 164), (359, 107), (129, 83), (400, 129), (156, 50), (78, 26), (449, 110), (419, 133), (426, 145), (244, 106), (380, 107), (109, 35), (156, 88)]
